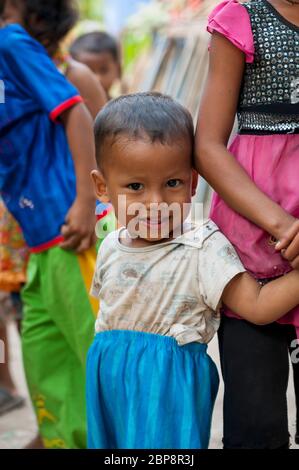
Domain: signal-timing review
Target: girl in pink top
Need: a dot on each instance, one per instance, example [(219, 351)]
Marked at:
[(254, 72)]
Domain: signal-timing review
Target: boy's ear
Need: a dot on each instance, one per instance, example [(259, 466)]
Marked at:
[(100, 186), (194, 182)]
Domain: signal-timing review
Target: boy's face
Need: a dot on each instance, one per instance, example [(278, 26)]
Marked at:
[(11, 14), (147, 175), (103, 65)]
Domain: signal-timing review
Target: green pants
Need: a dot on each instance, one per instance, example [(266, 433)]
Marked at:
[(58, 328)]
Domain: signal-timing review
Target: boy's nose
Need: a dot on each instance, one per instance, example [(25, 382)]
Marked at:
[(155, 197)]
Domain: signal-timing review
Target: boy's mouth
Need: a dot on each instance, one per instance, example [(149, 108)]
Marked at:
[(154, 222)]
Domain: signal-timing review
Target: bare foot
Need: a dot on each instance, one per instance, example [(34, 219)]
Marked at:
[(36, 443)]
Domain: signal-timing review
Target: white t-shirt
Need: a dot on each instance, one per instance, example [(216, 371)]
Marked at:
[(173, 288)]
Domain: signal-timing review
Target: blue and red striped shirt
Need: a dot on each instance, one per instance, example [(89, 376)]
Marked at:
[(37, 175)]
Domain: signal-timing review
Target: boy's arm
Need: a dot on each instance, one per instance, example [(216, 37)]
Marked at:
[(262, 305), (79, 228)]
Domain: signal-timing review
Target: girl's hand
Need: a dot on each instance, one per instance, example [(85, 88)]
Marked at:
[(79, 228), (288, 245)]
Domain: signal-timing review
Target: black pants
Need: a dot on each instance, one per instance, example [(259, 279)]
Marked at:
[(255, 369)]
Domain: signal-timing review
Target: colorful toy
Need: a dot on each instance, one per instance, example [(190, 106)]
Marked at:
[(106, 221)]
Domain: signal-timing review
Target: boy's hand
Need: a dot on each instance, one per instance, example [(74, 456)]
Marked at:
[(79, 228), (288, 244)]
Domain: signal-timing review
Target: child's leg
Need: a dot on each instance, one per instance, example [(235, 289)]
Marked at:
[(146, 392), (35, 443), (255, 369), (6, 379), (57, 331), (17, 303)]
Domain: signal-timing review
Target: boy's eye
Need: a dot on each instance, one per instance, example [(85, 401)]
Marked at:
[(173, 183), (135, 186)]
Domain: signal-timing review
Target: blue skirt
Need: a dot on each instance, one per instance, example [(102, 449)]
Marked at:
[(146, 392)]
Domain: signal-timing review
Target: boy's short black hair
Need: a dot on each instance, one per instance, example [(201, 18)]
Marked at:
[(96, 43), (48, 21), (143, 116)]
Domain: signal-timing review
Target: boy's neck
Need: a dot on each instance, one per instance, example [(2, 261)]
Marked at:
[(138, 242)]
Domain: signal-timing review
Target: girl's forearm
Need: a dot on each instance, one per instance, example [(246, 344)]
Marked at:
[(231, 182)]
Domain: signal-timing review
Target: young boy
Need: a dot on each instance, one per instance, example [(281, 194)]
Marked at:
[(100, 52), (161, 281)]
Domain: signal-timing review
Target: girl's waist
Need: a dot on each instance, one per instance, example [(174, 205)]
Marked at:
[(268, 119)]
